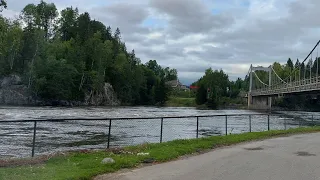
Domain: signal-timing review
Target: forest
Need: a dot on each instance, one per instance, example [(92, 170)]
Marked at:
[(68, 55)]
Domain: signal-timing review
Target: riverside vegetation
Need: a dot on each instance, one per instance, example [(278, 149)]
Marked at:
[(69, 56), (86, 165)]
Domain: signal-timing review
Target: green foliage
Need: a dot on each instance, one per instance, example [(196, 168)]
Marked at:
[(181, 102), (88, 165), (3, 3), (69, 56), (201, 96), (161, 92), (215, 86), (182, 93)]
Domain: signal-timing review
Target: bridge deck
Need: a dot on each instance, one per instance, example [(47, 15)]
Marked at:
[(306, 85)]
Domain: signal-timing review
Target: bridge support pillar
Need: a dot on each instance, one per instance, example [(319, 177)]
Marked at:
[(259, 102)]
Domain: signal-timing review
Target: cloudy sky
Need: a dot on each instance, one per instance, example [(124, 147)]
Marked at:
[(193, 35)]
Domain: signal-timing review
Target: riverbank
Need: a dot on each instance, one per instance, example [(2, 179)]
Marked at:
[(86, 164), (181, 102)]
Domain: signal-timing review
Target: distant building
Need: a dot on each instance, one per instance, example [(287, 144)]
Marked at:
[(175, 84)]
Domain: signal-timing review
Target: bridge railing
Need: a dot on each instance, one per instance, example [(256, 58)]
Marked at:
[(294, 86), (22, 138)]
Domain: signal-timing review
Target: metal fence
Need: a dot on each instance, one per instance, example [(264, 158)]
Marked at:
[(20, 138)]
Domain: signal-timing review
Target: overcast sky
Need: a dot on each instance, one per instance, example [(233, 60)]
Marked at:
[(193, 35)]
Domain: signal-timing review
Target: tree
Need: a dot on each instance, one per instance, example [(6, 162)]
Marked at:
[(83, 27), (46, 14), (3, 3), (29, 15), (41, 16), (201, 96), (170, 74), (67, 23), (161, 92), (290, 64)]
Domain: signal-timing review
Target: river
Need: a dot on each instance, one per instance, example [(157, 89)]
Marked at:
[(16, 138)]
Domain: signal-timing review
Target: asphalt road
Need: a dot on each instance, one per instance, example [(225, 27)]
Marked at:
[(285, 158)]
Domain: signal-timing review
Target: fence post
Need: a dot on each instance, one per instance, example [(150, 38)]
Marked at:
[(197, 127), (109, 134), (299, 122), (268, 122), (34, 137), (226, 125), (249, 123), (285, 123), (161, 130), (312, 120)]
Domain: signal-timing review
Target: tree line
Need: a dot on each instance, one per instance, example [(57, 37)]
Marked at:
[(70, 56), (215, 89)]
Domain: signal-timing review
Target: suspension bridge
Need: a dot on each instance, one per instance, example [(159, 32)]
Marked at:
[(268, 82)]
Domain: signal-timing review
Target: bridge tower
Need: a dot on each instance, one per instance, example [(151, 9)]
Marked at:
[(259, 102)]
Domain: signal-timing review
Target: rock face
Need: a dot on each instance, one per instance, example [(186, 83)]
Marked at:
[(14, 92), (106, 98)]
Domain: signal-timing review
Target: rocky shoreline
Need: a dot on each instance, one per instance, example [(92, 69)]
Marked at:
[(14, 92)]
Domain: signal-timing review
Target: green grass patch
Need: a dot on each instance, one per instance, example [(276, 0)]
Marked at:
[(181, 102), (81, 166)]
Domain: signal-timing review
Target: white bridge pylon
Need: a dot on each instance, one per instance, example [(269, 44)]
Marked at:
[(259, 68)]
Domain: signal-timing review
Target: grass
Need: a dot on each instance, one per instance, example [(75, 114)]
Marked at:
[(181, 102), (86, 165)]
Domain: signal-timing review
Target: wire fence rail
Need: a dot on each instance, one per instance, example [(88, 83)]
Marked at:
[(51, 135)]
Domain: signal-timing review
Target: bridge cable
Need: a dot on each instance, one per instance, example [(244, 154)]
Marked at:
[(260, 79), (306, 58), (278, 75), (317, 63)]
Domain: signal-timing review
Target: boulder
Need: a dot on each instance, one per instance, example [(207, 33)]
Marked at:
[(108, 161)]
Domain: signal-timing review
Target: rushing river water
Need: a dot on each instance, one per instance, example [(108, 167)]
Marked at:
[(16, 137)]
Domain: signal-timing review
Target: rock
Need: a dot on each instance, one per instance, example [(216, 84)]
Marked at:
[(10, 80), (107, 97), (13, 92), (143, 154), (108, 161), (149, 160)]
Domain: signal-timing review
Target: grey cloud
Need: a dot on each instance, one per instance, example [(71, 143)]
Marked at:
[(125, 13), (190, 16), (128, 17), (274, 39), (213, 54), (167, 55)]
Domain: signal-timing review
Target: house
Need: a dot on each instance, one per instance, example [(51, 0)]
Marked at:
[(175, 84)]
